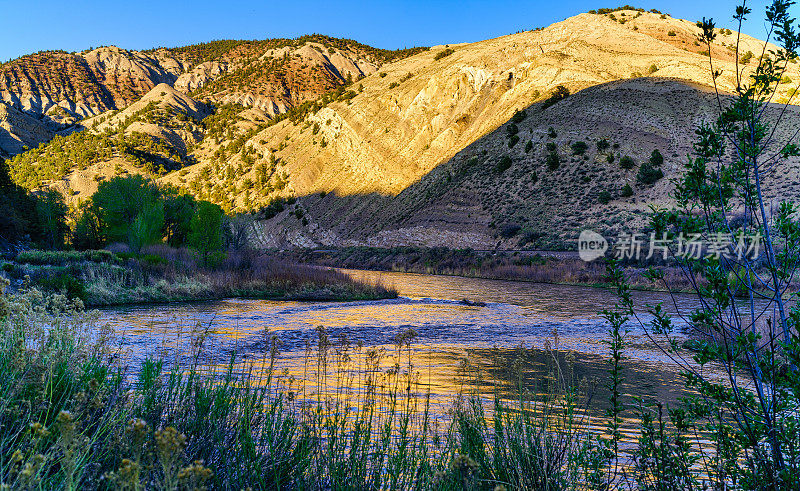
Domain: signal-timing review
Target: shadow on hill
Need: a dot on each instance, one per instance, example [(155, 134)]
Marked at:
[(531, 182)]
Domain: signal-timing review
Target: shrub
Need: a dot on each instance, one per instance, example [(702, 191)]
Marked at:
[(671, 33), (513, 141), (528, 146), (273, 208), (656, 159), (604, 197), (627, 163), (551, 132), (393, 85), (610, 158), (649, 174), (745, 58), (503, 164), (602, 145), (653, 68), (560, 93), (579, 148), (443, 53), (626, 191), (512, 129), (65, 283), (519, 116), (509, 230), (553, 160), (60, 258)]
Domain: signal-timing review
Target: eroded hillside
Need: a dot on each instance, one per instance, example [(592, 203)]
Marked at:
[(58, 89), (434, 148)]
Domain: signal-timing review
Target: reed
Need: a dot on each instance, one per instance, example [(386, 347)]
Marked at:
[(75, 415), (165, 274)]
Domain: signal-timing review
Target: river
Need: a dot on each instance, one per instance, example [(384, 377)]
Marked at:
[(537, 328)]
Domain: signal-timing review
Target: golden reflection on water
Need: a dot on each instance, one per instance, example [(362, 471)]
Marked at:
[(524, 337)]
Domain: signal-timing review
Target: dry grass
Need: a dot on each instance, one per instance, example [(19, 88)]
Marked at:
[(165, 274)]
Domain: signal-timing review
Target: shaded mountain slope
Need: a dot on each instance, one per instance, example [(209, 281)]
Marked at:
[(473, 201)]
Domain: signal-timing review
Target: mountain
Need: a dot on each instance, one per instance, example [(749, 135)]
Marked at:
[(59, 89), (470, 145), (19, 131)]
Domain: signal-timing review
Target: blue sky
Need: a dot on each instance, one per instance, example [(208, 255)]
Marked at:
[(80, 24)]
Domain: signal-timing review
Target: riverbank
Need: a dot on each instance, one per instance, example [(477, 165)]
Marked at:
[(161, 274), (561, 268), (79, 414)]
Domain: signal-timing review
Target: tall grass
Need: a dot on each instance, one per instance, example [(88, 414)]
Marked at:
[(74, 415), (162, 274), (500, 265)]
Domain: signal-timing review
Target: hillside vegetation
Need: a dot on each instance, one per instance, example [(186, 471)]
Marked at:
[(513, 142)]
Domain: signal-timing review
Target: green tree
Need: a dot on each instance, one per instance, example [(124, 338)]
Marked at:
[(579, 148), (147, 227), (648, 174), (503, 164), (18, 219), (744, 423), (205, 229), (178, 212), (120, 201), (52, 215), (89, 230)]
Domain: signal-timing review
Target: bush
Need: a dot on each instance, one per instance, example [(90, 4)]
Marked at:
[(513, 141), (627, 163), (443, 53), (553, 160), (503, 164), (528, 146), (519, 116), (604, 197), (60, 258), (656, 159), (509, 230), (560, 93), (626, 191), (64, 283), (512, 129), (602, 145), (671, 34), (579, 148), (551, 132), (648, 174)]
